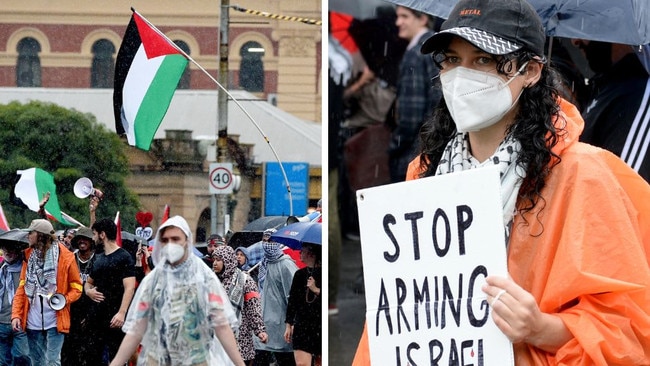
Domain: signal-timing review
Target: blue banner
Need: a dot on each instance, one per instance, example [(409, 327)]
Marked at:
[(276, 196)]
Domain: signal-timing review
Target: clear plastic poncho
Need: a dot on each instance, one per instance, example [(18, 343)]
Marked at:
[(176, 310)]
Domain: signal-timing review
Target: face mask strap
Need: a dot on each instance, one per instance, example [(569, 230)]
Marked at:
[(519, 72)]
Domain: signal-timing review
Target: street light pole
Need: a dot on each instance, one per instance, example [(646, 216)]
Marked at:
[(222, 102)]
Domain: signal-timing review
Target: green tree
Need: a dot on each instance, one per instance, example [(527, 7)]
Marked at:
[(69, 145)]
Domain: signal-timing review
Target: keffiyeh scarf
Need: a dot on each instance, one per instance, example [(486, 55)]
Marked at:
[(41, 272), (272, 251), (457, 157), (6, 282)]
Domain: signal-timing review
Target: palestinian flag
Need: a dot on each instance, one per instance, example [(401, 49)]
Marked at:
[(32, 186), (147, 70)]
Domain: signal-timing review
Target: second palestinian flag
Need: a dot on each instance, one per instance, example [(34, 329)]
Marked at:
[(147, 70)]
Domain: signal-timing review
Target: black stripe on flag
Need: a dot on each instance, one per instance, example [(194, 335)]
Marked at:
[(130, 45)]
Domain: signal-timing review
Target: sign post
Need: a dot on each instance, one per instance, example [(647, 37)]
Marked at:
[(221, 178), (427, 247)]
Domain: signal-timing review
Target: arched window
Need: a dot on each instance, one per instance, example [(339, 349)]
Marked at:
[(103, 67), (251, 69), (184, 82), (28, 69)]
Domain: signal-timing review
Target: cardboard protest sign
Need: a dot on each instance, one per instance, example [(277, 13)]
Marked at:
[(427, 247)]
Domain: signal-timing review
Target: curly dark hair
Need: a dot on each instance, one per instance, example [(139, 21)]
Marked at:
[(533, 127), (107, 226)]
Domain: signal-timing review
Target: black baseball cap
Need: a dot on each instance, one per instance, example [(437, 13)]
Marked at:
[(497, 27)]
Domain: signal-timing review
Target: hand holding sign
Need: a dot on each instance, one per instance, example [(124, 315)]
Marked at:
[(437, 245), (518, 316)]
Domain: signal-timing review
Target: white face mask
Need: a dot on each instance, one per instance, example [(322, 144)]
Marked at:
[(476, 99), (173, 252)]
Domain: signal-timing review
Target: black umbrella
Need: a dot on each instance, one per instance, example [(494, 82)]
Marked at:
[(360, 9), (380, 46), (14, 238), (252, 233), (266, 222), (130, 242)]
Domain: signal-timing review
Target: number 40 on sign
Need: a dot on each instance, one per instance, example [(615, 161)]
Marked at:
[(221, 178)]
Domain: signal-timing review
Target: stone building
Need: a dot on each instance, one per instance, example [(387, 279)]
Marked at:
[(68, 48)]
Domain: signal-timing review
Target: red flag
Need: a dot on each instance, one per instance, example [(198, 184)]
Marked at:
[(118, 237), (4, 225), (165, 214)]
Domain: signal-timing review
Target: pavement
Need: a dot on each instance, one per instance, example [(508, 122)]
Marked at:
[(345, 328)]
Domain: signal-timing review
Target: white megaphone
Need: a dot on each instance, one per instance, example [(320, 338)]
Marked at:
[(56, 301), (83, 188)]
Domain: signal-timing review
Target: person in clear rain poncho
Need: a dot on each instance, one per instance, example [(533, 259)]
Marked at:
[(180, 313)]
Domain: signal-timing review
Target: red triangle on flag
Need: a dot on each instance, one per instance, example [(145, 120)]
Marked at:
[(165, 214), (153, 42)]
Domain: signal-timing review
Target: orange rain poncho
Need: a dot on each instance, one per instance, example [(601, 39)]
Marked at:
[(583, 253)]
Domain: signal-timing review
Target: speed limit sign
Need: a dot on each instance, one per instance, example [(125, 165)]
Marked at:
[(221, 178)]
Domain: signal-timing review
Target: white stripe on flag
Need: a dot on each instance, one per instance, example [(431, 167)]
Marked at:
[(140, 76), (26, 189)]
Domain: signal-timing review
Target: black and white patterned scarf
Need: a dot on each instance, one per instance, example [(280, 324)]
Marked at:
[(457, 157), (41, 272)]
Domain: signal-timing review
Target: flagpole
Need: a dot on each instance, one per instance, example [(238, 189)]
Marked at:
[(259, 129)]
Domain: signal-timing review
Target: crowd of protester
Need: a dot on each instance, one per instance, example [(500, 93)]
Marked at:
[(80, 298)]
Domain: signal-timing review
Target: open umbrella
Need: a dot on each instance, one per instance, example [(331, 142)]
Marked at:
[(340, 24), (380, 45), (360, 9), (14, 238), (626, 22), (294, 235), (252, 233)]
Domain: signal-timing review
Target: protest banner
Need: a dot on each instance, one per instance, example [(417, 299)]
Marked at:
[(427, 246)]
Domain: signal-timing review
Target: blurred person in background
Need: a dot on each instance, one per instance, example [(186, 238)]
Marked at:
[(416, 94), (14, 346), (617, 112), (303, 315)]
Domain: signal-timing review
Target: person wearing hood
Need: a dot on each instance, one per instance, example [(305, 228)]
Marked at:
[(276, 275), (245, 299), (576, 217), (14, 347), (180, 313), (250, 258)]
